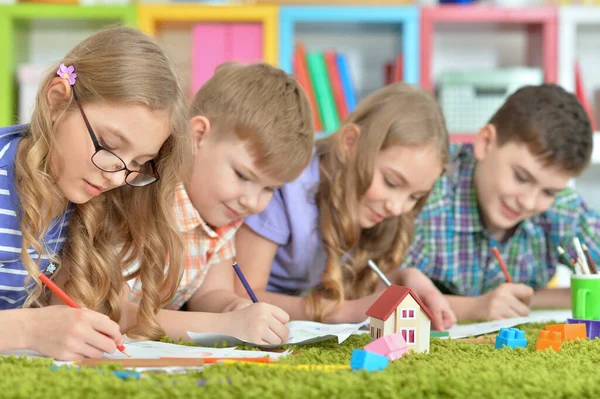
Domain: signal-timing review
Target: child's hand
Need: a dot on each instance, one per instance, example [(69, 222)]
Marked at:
[(355, 310), (443, 315), (65, 333), (259, 323), (506, 301), (438, 305), (238, 304)]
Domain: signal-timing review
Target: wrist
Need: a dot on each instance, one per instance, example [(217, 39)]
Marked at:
[(237, 304), (24, 327)]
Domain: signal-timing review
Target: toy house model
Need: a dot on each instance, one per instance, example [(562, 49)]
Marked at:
[(399, 310)]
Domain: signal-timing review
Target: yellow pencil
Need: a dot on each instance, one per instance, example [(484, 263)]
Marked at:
[(327, 368)]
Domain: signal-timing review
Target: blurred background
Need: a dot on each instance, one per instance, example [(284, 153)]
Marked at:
[(472, 55)]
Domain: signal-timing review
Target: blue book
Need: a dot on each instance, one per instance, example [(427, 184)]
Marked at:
[(342, 63)]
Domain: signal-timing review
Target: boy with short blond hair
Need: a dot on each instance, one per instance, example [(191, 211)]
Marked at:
[(252, 132)]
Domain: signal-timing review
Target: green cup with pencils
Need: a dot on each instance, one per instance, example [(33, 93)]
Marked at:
[(585, 296)]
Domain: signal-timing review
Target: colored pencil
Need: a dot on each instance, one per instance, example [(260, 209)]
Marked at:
[(117, 373), (581, 255), (160, 362), (502, 264), (70, 302), (382, 276), (566, 259), (589, 259), (308, 367), (264, 359), (238, 271)]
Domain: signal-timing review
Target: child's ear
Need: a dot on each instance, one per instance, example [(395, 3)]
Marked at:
[(485, 139), (200, 127), (350, 135), (58, 93)]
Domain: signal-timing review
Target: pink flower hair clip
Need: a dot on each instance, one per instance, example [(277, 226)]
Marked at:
[(67, 73)]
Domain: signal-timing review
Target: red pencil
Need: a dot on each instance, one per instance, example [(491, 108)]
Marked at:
[(67, 299), (502, 265)]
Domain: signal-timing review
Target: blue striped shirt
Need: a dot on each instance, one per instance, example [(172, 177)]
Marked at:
[(12, 272)]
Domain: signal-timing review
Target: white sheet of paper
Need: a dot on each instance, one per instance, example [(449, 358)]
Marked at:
[(301, 333), (536, 316), (155, 350)]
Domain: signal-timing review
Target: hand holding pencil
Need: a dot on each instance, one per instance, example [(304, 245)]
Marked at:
[(508, 299), (73, 333)]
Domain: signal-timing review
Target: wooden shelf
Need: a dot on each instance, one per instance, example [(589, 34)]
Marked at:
[(12, 14)]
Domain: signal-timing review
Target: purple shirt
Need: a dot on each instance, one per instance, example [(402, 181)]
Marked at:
[(292, 221)]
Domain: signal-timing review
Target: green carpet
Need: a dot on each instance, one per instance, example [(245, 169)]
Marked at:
[(451, 370)]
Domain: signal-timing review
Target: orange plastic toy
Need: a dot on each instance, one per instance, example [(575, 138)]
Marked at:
[(569, 332), (549, 340)]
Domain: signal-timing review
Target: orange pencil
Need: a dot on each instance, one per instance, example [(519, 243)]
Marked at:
[(502, 265), (67, 299), (265, 359)]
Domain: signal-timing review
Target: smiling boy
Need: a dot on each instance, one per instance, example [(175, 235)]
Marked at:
[(508, 190), (252, 132)]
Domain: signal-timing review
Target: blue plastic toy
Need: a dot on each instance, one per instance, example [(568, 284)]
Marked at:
[(363, 360), (511, 337)]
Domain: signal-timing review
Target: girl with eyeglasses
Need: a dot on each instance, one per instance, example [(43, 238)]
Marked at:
[(87, 192)]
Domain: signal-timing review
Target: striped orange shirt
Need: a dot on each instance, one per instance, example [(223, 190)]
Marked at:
[(204, 247)]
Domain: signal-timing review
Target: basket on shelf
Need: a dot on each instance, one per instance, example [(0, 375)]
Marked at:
[(470, 97)]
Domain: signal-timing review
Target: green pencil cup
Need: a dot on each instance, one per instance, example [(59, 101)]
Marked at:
[(585, 296)]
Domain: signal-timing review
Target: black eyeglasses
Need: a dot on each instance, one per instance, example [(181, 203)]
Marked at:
[(108, 161)]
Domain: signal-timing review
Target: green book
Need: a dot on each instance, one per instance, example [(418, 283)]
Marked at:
[(323, 91)]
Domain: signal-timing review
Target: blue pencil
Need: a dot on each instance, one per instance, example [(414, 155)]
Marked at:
[(117, 373), (238, 271)]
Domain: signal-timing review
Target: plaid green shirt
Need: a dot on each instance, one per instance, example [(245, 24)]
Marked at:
[(453, 248)]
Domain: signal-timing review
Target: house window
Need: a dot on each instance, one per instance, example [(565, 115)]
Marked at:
[(408, 314), (372, 332), (379, 333), (409, 335)]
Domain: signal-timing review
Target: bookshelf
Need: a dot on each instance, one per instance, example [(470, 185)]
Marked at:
[(483, 37), (25, 30), (178, 26), (579, 33), (323, 26)]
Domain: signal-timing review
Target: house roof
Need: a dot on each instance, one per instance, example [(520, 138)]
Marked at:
[(391, 298)]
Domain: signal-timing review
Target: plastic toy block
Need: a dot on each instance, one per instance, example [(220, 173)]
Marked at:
[(592, 327), (569, 332), (363, 360), (549, 340), (439, 334), (511, 337), (392, 346)]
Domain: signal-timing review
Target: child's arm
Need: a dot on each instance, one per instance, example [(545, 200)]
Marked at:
[(552, 298), (506, 301), (15, 333), (260, 323), (59, 331), (440, 308), (255, 255), (216, 294)]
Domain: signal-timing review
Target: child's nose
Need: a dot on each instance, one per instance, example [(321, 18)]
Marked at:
[(114, 179), (249, 201), (527, 201)]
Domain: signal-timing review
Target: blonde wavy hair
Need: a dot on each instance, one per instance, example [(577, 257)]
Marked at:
[(398, 114), (126, 226), (263, 105)]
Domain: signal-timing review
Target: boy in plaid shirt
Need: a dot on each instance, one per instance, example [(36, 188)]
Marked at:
[(252, 132), (508, 190)]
